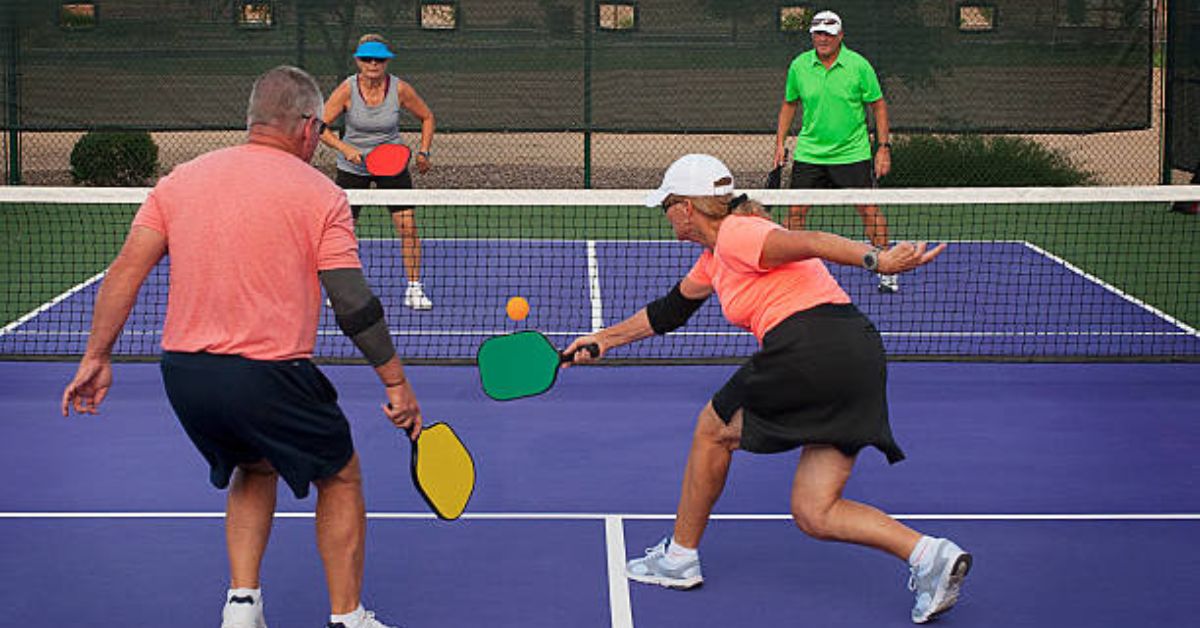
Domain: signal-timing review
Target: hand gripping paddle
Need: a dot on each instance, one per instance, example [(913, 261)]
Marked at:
[(522, 364), (775, 176)]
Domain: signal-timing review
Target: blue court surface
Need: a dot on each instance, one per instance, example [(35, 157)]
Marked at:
[(1076, 487), (999, 298)]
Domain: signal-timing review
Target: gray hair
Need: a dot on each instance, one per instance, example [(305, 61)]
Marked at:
[(283, 97)]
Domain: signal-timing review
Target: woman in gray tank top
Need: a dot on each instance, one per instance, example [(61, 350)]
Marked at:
[(371, 101)]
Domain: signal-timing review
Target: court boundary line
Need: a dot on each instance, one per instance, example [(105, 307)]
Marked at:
[(1117, 291), (607, 517), (12, 327), (619, 606)]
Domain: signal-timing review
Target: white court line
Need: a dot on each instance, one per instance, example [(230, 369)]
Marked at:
[(606, 517), (593, 266), (619, 606), (49, 304), (1113, 289)]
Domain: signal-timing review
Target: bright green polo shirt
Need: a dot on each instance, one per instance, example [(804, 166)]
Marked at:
[(834, 129)]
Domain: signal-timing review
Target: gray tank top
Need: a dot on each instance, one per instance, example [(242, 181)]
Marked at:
[(368, 127)]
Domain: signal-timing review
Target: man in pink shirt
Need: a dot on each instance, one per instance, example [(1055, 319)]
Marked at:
[(254, 232), (819, 381)]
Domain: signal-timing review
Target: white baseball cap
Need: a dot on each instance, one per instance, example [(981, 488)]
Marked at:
[(693, 175), (826, 22)]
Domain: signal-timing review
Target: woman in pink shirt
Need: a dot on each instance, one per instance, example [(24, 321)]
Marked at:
[(818, 382)]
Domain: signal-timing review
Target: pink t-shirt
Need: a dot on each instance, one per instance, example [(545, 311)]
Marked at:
[(247, 230), (755, 298)]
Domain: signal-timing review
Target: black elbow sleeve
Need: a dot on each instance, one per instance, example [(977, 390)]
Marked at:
[(358, 321), (671, 311)]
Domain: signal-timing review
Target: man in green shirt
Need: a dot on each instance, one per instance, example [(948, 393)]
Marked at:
[(833, 149)]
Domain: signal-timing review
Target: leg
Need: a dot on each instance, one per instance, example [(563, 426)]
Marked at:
[(249, 511), (410, 242), (796, 216), (821, 512), (704, 476), (341, 534), (874, 225)]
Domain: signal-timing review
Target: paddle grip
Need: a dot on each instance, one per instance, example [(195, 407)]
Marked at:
[(592, 348)]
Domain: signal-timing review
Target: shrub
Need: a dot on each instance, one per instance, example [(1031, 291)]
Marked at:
[(977, 161), (114, 158)]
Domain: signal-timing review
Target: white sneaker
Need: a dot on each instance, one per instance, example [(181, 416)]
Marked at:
[(654, 569), (368, 621), (414, 297), (889, 284), (241, 611), (937, 581)]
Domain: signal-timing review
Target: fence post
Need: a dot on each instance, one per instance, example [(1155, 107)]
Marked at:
[(588, 22), (1166, 110), (12, 114)]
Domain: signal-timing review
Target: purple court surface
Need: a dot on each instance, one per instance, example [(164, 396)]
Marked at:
[(1001, 299), (1076, 487)]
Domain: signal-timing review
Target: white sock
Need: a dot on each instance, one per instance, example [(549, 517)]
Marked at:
[(351, 619), (412, 283), (678, 554), (254, 594), (923, 552)]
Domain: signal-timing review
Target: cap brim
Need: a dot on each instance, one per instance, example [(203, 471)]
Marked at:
[(656, 197), (828, 30)]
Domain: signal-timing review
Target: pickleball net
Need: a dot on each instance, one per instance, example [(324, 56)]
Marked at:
[(1030, 273)]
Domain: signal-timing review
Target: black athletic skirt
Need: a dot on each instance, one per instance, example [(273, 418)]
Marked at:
[(820, 378)]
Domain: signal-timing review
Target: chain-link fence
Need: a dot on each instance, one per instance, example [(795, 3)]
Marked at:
[(580, 93)]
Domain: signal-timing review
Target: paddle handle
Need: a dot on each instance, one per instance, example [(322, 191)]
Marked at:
[(592, 348)]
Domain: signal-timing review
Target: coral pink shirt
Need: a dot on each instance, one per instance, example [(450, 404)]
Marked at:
[(755, 298), (247, 230)]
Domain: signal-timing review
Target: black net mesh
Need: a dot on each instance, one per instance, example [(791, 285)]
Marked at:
[(1098, 273), (657, 66)]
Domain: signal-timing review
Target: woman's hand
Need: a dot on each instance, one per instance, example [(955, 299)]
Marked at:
[(905, 256)]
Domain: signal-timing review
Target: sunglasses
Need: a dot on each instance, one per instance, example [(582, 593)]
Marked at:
[(321, 126), (372, 60), (669, 202), (825, 22)]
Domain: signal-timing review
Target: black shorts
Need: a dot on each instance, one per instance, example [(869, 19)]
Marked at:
[(239, 411), (351, 181), (820, 378), (806, 176)]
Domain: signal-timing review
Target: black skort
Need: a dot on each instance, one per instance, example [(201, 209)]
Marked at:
[(240, 411), (820, 378), (352, 181)]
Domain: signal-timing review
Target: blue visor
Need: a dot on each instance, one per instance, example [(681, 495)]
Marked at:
[(373, 50)]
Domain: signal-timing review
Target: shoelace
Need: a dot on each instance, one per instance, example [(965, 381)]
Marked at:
[(912, 578)]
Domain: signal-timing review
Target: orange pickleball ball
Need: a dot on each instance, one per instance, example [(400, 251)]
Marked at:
[(517, 308)]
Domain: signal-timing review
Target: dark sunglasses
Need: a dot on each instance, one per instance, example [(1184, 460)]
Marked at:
[(669, 202), (321, 126), (372, 60)]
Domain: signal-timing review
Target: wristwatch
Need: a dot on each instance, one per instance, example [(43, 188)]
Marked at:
[(423, 153), (887, 145), (871, 259)]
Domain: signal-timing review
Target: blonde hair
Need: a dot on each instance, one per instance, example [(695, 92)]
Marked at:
[(725, 205), (374, 37)]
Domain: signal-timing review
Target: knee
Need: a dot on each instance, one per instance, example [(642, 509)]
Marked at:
[(813, 520), (258, 469), (348, 476)]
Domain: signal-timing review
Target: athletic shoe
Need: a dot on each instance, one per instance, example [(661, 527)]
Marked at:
[(653, 569), (936, 581), (889, 284), (368, 621), (241, 611), (414, 297)]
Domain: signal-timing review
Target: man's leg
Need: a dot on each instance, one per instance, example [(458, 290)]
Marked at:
[(874, 225), (713, 445), (341, 535), (821, 512), (249, 511)]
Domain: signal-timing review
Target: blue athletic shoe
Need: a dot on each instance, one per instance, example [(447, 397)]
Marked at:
[(936, 581), (653, 569)]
